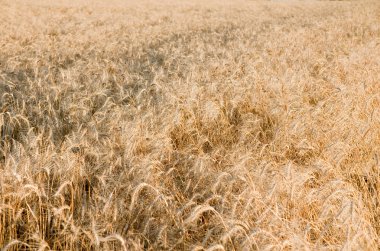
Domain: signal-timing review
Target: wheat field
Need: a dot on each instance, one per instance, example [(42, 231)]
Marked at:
[(189, 125)]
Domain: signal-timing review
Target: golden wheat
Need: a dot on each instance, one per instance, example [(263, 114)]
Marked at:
[(189, 125)]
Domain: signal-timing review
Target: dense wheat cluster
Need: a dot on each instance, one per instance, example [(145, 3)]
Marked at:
[(189, 125)]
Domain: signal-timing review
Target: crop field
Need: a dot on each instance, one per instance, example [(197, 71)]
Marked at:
[(189, 125)]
